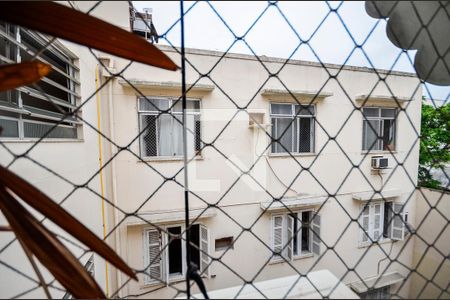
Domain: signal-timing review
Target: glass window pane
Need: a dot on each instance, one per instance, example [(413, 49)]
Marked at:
[(305, 135), (165, 133), (370, 134), (305, 110), (388, 135), (388, 112), (191, 106), (153, 104), (281, 109), (177, 135), (371, 112), (149, 142), (10, 128), (284, 131)]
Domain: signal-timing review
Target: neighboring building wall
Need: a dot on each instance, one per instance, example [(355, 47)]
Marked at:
[(76, 160), (141, 190), (431, 262)]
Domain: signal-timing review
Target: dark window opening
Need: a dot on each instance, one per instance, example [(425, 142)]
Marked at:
[(295, 234), (194, 234), (305, 231), (175, 251), (305, 135)]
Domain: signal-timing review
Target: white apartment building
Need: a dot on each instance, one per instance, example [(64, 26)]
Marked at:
[(301, 205)]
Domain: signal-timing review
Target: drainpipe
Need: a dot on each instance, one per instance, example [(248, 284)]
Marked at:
[(110, 63), (100, 161)]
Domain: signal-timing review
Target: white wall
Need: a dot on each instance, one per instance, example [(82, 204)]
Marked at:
[(431, 245), (240, 77), (76, 161)]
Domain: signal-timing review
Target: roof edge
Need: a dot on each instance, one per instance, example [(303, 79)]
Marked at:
[(271, 59)]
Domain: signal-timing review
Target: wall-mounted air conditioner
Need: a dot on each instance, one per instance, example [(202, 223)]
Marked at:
[(379, 162)]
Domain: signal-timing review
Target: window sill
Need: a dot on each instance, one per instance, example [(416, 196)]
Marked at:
[(305, 255), (378, 152), (161, 284), (369, 244), (275, 261), (306, 154), (167, 159), (25, 141)]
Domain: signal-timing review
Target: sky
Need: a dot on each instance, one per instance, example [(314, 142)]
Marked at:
[(273, 34)]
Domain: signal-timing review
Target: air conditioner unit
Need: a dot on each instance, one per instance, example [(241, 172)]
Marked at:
[(380, 162)]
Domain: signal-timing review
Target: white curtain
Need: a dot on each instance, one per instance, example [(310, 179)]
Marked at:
[(165, 135)]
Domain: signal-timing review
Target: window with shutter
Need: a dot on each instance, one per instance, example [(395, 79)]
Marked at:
[(364, 222), (315, 231), (382, 220), (204, 247), (153, 257), (397, 224), (288, 248), (377, 221), (277, 234)]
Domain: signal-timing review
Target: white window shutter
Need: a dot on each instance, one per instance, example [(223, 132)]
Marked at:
[(277, 234), (153, 256), (288, 248), (377, 221), (315, 230), (204, 247), (397, 224), (364, 221)]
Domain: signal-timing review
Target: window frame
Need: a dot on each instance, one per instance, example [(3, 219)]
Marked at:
[(284, 233), (157, 113), (15, 109), (379, 145), (166, 277), (382, 227), (295, 125)]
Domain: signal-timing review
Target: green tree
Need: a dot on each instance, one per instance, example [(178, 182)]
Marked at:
[(434, 143)]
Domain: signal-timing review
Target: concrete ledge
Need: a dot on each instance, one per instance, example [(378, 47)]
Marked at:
[(381, 98), (371, 195), (298, 94), (170, 216), (293, 203), (377, 282), (167, 85)]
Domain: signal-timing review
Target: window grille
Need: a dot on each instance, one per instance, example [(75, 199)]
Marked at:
[(293, 125), (379, 129), (44, 109), (162, 132)]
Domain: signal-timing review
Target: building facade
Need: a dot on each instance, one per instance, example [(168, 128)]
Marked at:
[(280, 168)]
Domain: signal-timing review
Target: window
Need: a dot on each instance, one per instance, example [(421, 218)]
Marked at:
[(293, 125), (380, 293), (295, 234), (35, 111), (163, 132), (164, 252), (379, 128), (382, 220)]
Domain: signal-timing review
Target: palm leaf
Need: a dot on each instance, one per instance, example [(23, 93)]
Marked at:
[(16, 75), (48, 249), (42, 203), (63, 22)]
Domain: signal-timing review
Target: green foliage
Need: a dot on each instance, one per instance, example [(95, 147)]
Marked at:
[(434, 142)]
